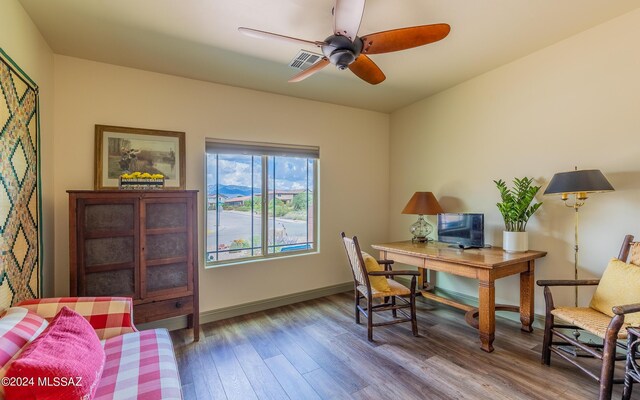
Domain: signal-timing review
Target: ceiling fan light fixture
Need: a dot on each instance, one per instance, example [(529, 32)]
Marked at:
[(345, 49), (342, 58), (341, 51)]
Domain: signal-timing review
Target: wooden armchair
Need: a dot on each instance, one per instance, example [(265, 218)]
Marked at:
[(364, 290), (610, 328)]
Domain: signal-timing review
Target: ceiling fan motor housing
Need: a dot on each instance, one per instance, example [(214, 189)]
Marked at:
[(341, 51)]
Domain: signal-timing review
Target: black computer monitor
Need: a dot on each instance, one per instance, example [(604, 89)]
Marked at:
[(463, 229)]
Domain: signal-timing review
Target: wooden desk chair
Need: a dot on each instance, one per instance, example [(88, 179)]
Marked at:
[(363, 288), (608, 325)]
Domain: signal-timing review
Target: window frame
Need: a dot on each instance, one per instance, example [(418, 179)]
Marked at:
[(273, 150)]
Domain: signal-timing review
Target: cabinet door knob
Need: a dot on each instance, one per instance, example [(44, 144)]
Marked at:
[(178, 304)]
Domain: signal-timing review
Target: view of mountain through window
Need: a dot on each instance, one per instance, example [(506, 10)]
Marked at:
[(242, 222)]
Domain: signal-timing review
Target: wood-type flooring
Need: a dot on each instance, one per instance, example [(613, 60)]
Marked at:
[(315, 350)]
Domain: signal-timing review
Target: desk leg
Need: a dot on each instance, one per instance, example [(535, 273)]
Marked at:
[(486, 310), (423, 283), (431, 284), (527, 298), (421, 278)]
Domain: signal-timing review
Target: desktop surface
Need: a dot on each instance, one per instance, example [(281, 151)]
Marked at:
[(487, 257)]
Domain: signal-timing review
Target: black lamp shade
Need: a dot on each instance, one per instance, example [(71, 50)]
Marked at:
[(584, 181)]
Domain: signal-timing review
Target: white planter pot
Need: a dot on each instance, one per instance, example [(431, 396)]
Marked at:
[(515, 242)]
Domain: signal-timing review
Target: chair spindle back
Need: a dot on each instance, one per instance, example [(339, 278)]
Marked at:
[(355, 260), (630, 250)]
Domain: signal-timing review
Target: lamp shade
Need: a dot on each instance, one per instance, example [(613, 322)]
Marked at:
[(584, 181), (423, 203)]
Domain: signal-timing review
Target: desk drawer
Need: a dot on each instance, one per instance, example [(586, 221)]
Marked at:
[(404, 259)]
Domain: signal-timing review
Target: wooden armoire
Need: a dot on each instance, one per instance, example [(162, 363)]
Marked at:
[(139, 244)]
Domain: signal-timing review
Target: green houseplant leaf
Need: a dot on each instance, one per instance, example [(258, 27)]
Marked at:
[(516, 207)]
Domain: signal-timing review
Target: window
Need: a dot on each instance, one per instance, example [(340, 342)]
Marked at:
[(261, 200)]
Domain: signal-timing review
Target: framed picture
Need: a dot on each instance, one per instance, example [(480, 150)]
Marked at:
[(121, 150)]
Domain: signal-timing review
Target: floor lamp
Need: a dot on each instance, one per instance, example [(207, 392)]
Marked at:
[(579, 184)]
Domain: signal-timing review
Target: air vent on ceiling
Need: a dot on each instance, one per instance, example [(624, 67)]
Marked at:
[(304, 59)]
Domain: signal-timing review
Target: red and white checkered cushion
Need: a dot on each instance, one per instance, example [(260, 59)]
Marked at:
[(18, 327), (140, 365), (109, 316)]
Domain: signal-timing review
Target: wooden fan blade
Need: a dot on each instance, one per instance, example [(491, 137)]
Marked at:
[(367, 70), (268, 35), (347, 15), (310, 71), (404, 38)]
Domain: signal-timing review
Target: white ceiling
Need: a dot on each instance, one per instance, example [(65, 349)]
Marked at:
[(199, 39)]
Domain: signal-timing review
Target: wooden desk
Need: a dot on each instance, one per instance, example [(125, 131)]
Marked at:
[(485, 265)]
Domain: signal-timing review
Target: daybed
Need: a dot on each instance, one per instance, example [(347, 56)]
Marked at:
[(137, 364)]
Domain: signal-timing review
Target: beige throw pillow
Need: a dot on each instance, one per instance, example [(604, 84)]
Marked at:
[(619, 285)]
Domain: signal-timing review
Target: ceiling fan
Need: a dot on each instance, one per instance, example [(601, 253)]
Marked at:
[(345, 49)]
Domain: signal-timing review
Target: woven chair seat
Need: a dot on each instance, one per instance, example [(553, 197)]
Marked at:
[(396, 289), (588, 319), (364, 282)]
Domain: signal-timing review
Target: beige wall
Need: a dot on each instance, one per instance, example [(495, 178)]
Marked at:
[(574, 103), (354, 165), (21, 40)]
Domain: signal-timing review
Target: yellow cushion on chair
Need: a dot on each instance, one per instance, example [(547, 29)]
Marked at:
[(378, 283), (619, 285)]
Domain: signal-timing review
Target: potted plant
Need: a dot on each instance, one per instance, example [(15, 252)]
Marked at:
[(516, 209)]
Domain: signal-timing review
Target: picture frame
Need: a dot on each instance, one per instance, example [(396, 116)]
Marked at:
[(120, 149)]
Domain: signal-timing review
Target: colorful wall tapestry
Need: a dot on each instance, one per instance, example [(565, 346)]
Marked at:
[(19, 185)]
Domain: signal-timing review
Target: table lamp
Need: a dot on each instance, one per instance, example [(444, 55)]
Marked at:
[(579, 184), (422, 203)]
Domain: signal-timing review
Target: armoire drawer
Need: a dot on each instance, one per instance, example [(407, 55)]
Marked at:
[(162, 309)]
